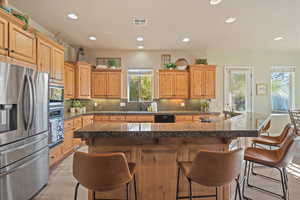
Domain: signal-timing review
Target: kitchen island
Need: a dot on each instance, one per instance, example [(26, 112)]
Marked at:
[(156, 148)]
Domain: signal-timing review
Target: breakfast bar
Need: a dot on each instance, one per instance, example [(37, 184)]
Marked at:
[(157, 147)]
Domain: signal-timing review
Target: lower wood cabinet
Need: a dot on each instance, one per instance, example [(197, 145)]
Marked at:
[(184, 118), (70, 143)]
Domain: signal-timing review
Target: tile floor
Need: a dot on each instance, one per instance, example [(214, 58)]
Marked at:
[(61, 183)]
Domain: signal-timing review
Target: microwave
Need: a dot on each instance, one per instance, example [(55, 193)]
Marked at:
[(56, 94)]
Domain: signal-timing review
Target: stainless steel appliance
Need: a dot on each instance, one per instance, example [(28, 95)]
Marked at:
[(23, 132), (56, 95), (56, 123)]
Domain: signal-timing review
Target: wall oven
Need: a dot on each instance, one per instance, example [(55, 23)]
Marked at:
[(56, 126), (56, 95)]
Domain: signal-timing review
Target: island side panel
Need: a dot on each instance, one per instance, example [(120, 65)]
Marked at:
[(156, 161)]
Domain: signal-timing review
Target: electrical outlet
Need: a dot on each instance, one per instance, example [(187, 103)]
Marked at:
[(182, 104), (122, 104), (95, 104)]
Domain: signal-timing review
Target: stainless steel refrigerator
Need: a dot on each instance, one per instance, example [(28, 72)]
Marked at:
[(23, 132)]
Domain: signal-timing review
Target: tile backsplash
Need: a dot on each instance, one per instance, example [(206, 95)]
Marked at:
[(163, 105)]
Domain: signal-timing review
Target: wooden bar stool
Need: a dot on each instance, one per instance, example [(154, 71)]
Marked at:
[(278, 159), (212, 169), (103, 172)]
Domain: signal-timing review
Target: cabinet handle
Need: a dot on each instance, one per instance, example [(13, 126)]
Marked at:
[(12, 51), (6, 49)]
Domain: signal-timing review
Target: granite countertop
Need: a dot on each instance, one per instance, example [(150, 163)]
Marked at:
[(246, 125), (69, 115)]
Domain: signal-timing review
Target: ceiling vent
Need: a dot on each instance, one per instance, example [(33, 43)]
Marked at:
[(140, 21)]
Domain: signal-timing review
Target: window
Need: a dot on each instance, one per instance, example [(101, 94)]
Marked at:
[(238, 89), (140, 85), (282, 88)]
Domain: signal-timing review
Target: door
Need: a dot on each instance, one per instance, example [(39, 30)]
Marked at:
[(83, 81), (238, 89), (69, 81), (166, 85), (210, 84), (181, 82), (197, 83), (22, 44), (44, 56), (57, 69), (40, 110), (15, 95), (24, 178), (99, 84), (3, 37), (114, 85)]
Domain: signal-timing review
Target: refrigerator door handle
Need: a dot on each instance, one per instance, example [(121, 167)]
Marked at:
[(25, 116), (33, 101)]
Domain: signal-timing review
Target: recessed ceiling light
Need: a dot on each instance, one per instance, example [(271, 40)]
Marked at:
[(186, 39), (139, 21), (93, 38), (72, 16), (230, 20), (140, 47), (140, 39), (278, 38), (215, 2)]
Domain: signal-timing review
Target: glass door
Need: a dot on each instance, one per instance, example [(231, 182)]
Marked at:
[(238, 89)]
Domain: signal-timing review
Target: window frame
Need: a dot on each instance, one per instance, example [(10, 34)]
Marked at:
[(139, 72), (292, 97)]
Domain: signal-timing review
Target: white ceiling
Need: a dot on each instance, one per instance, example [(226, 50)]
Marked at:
[(258, 23)]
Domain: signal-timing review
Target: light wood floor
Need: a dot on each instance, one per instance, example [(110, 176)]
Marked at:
[(61, 183)]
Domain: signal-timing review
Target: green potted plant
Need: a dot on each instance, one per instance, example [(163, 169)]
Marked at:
[(170, 66), (201, 61), (112, 63), (204, 106), (77, 105)]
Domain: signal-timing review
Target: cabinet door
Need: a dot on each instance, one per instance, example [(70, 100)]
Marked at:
[(99, 84), (166, 85), (197, 83), (44, 56), (114, 85), (181, 82), (22, 44), (3, 37), (69, 82), (68, 142), (83, 81), (57, 69), (210, 84)]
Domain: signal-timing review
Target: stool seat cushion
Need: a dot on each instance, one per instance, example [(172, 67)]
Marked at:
[(263, 156), (186, 167), (267, 140)]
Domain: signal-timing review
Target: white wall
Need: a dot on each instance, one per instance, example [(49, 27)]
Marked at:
[(261, 61)]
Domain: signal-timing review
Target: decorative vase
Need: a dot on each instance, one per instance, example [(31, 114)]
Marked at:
[(72, 110)]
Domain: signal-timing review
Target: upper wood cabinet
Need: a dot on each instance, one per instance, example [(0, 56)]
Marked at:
[(3, 37), (50, 59), (44, 56), (106, 84), (69, 81), (99, 84), (22, 44), (57, 69), (173, 84), (82, 80), (203, 82)]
